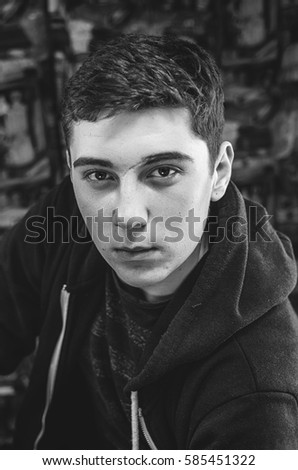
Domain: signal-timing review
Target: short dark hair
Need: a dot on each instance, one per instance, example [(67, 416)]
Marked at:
[(135, 72)]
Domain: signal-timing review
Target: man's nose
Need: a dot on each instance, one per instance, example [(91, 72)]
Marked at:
[(131, 211)]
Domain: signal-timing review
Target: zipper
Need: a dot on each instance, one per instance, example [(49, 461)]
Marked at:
[(64, 300), (145, 431)]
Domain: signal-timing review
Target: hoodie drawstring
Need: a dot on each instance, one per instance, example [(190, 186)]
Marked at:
[(134, 420)]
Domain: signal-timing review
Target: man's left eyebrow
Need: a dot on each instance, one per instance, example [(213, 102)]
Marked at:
[(85, 161), (166, 156)]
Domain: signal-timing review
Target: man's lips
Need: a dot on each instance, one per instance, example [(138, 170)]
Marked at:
[(135, 253), (135, 249)]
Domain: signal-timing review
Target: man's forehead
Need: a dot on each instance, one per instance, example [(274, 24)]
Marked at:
[(153, 120)]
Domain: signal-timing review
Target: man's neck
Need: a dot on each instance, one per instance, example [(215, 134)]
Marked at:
[(165, 290)]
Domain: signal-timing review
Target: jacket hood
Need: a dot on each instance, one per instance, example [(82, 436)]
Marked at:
[(243, 277)]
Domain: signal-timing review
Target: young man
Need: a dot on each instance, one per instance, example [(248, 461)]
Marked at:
[(167, 325)]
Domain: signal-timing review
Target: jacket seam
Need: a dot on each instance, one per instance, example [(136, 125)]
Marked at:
[(263, 392), (253, 375)]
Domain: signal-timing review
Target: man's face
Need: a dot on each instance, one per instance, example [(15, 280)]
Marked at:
[(146, 167)]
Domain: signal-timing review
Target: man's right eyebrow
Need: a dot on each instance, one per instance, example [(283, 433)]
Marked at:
[(87, 161)]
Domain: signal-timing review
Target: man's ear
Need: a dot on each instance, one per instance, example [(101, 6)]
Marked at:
[(222, 171), (68, 160)]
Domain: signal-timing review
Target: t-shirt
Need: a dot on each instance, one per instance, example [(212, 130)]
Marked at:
[(112, 354)]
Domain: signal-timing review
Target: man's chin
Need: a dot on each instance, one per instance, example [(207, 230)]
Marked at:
[(141, 280)]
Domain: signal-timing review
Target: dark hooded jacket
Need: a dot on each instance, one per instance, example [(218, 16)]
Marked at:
[(221, 372)]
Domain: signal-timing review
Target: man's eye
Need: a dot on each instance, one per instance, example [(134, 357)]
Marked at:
[(98, 176), (164, 172)]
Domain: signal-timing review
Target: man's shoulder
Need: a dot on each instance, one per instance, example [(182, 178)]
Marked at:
[(60, 198), (270, 346), (261, 357), (38, 225)]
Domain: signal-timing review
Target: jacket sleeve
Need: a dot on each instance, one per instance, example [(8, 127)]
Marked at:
[(263, 420), (22, 263)]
